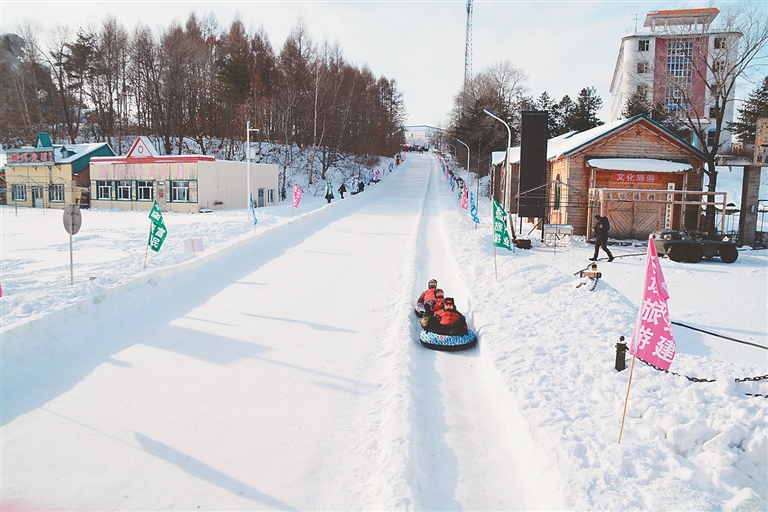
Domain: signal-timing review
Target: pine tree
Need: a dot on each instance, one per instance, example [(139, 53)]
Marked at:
[(756, 106)]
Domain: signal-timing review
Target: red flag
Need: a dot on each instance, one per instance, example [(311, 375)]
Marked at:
[(465, 199), (296, 195), (652, 340)]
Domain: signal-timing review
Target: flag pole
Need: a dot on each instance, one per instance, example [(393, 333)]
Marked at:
[(146, 253), (626, 399)]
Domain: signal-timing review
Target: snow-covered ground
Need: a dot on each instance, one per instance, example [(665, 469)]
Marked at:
[(279, 368)]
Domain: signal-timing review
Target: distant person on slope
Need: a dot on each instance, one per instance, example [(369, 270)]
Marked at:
[(329, 192), (342, 189)]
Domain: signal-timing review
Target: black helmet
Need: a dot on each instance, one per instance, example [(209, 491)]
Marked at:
[(448, 304), (439, 293), (432, 283)]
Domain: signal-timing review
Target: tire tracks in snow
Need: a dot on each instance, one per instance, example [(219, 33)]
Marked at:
[(461, 454)]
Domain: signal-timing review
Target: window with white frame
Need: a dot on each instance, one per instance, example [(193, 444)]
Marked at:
[(19, 192), (718, 66), (144, 190), (123, 190), (104, 190), (180, 191), (642, 68), (56, 193), (270, 195), (643, 45)]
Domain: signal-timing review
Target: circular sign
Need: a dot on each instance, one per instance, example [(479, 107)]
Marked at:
[(72, 219)]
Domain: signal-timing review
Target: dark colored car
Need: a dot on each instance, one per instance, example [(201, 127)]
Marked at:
[(679, 246)]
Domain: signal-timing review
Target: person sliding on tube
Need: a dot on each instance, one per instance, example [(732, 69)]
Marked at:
[(435, 304), (446, 321), (429, 293)]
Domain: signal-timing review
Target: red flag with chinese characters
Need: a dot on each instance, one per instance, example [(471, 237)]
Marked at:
[(652, 340), (296, 195), (465, 199)]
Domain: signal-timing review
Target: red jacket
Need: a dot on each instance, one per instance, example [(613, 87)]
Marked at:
[(447, 317), (429, 294)]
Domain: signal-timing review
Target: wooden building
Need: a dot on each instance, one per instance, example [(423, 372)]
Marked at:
[(179, 183), (624, 170), (49, 175)]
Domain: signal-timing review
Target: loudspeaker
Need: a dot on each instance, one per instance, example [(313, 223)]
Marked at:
[(533, 163)]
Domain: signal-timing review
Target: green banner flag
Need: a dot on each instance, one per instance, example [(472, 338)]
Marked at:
[(156, 216), (500, 232), (157, 234)]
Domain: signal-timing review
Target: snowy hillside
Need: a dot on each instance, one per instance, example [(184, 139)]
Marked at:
[(280, 368)]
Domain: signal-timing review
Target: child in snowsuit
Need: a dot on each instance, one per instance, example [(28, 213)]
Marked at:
[(429, 293), (446, 321), (435, 304)]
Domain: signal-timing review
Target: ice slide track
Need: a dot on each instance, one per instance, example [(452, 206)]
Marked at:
[(462, 455)]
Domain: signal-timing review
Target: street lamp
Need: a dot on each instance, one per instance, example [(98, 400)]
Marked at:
[(248, 131), (454, 149), (509, 146), (465, 145)]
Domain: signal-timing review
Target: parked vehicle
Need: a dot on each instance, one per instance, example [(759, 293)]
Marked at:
[(679, 246)]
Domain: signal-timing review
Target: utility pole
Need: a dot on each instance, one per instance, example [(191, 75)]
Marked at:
[(468, 46)]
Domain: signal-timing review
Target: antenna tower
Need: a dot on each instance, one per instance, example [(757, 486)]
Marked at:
[(468, 46)]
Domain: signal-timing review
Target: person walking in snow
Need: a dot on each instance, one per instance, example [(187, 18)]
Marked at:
[(342, 189), (601, 237), (329, 192)]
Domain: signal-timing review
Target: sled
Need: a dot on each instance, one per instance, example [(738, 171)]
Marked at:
[(436, 341)]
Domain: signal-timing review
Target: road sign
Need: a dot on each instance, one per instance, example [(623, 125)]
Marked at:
[(72, 219)]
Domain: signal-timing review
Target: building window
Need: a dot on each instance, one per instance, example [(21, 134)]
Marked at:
[(643, 45), (718, 66), (144, 189), (710, 138), (180, 191), (713, 112), (270, 195), (19, 192), (720, 43), (123, 190), (642, 68), (679, 58), (56, 193), (104, 190)]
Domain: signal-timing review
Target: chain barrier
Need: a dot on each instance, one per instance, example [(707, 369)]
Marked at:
[(695, 379)]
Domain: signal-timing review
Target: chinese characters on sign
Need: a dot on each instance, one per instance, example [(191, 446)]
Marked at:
[(157, 231), (652, 340), (635, 177), (31, 157)]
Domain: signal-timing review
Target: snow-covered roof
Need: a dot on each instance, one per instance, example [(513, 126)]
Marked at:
[(78, 151), (570, 142), (639, 164)]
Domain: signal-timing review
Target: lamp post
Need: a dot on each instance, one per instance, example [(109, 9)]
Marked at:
[(509, 146), (248, 131), (465, 145)]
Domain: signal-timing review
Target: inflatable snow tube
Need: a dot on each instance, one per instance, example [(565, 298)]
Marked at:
[(444, 342), (419, 309)]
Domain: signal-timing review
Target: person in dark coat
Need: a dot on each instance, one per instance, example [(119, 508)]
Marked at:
[(342, 189), (602, 226), (360, 186), (447, 321)]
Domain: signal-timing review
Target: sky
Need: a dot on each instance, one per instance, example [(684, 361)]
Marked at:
[(562, 46), (280, 368)]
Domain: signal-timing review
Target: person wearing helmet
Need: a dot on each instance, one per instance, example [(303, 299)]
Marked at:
[(429, 293), (447, 321), (436, 303)]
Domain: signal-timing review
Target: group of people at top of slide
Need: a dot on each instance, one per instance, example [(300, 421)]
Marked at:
[(440, 314)]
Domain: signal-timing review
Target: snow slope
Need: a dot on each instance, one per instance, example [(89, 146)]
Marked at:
[(279, 369)]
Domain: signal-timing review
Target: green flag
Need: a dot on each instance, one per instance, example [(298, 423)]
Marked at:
[(157, 234), (157, 231), (155, 215), (500, 233)]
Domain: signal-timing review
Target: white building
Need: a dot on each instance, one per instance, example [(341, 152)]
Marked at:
[(671, 48)]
